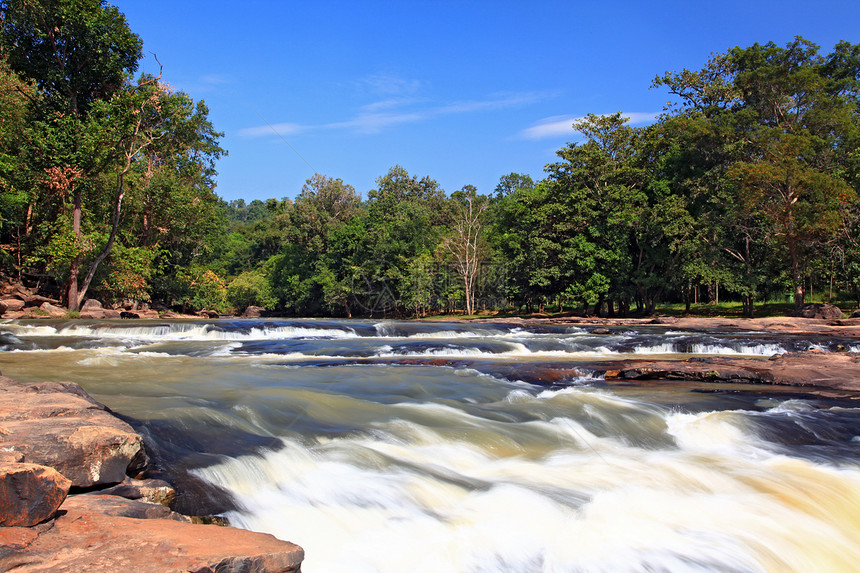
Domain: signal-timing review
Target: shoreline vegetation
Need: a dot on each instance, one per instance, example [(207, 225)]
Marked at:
[(745, 188)]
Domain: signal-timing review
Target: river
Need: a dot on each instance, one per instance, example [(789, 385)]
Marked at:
[(388, 446)]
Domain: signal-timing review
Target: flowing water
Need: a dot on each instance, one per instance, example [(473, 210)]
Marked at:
[(417, 446)]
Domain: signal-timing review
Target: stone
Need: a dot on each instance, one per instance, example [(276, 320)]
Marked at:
[(209, 314), (820, 310), (95, 533), (254, 312), (91, 304), (112, 313), (150, 490), (13, 304), (856, 313), (58, 424), (30, 493), (53, 310), (95, 314), (103, 503)]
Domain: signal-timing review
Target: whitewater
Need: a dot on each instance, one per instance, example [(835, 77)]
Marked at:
[(391, 446)]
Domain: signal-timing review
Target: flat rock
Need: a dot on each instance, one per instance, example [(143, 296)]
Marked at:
[(57, 424), (30, 493), (823, 370), (98, 534), (151, 490)]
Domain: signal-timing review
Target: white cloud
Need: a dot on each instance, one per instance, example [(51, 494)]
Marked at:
[(374, 117), (387, 84), (276, 129), (562, 125)]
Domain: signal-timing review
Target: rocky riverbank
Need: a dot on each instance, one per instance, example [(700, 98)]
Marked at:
[(70, 500)]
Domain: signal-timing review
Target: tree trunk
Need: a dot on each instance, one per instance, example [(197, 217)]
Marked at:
[(74, 270)]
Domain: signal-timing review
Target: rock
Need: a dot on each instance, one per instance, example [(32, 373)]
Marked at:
[(820, 310), (152, 490), (112, 313), (856, 313), (93, 533), (128, 314), (58, 424), (254, 312), (35, 299), (209, 314), (95, 314), (600, 331), (54, 311), (120, 506), (169, 314), (91, 304), (13, 304), (30, 493), (148, 314)]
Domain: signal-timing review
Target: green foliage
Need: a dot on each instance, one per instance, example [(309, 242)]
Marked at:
[(198, 288), (251, 288), (130, 273)]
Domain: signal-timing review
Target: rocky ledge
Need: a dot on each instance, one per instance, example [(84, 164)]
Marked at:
[(56, 439)]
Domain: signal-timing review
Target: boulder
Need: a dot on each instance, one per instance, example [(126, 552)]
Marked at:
[(209, 314), (94, 314), (58, 424), (96, 533), (12, 304), (820, 310), (856, 313), (254, 312), (91, 304), (112, 313), (30, 493), (54, 311)]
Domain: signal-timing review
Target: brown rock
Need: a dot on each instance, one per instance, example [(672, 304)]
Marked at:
[(96, 535), (254, 312), (112, 313), (35, 299), (91, 304), (58, 424), (30, 493), (118, 506), (13, 304), (151, 490), (93, 314), (54, 311), (821, 310)]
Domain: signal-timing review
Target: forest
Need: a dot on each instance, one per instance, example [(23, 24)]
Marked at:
[(745, 188)]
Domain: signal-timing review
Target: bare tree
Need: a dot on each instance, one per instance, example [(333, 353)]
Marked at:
[(464, 243)]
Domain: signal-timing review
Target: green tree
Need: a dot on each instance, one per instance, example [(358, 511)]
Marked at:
[(78, 53)]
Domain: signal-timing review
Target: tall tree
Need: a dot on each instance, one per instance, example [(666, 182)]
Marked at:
[(465, 243), (78, 53)]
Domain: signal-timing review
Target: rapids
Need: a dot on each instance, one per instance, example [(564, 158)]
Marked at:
[(386, 446)]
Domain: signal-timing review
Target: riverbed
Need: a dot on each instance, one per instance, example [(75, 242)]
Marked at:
[(389, 446)]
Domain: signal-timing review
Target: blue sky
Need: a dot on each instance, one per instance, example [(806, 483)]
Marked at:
[(462, 91)]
